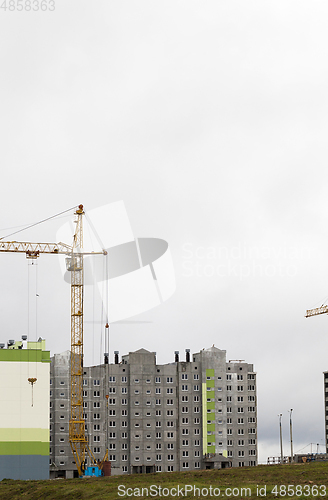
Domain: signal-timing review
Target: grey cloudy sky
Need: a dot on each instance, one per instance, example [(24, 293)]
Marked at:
[(209, 120)]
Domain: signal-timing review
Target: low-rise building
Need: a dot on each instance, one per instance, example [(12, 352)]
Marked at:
[(24, 410)]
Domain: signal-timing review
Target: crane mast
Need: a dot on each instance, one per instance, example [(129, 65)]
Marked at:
[(74, 264), (78, 441)]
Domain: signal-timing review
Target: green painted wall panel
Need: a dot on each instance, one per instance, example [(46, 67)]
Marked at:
[(211, 427), (211, 405), (210, 449), (25, 355), (24, 448), (19, 435), (210, 383), (37, 345), (46, 357), (209, 372)]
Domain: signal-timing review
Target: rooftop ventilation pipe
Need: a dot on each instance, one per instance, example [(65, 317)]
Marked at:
[(116, 357), (188, 355), (176, 358)]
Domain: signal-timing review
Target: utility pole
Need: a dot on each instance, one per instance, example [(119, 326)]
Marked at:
[(281, 450), (291, 436)]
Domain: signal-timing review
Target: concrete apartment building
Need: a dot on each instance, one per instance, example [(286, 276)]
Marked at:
[(186, 415)]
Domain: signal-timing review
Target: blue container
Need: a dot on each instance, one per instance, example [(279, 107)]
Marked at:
[(93, 471)]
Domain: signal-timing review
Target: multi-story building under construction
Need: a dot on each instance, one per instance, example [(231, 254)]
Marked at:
[(186, 415)]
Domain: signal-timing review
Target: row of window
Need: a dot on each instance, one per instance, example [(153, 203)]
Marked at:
[(240, 409), (184, 376), (158, 380), (112, 423), (112, 402), (184, 409), (184, 399), (241, 453), (240, 388), (124, 390), (170, 458), (158, 424), (184, 420), (184, 388), (97, 416), (170, 468), (250, 376), (185, 453), (240, 420), (170, 446), (251, 430), (241, 442)]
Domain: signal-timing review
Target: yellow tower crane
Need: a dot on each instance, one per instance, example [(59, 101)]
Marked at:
[(74, 263)]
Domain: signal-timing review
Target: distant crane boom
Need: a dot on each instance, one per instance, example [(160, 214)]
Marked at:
[(316, 311)]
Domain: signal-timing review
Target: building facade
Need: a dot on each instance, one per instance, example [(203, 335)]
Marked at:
[(24, 410), (186, 415)]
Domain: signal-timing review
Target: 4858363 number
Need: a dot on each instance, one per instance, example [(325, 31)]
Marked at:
[(299, 490)]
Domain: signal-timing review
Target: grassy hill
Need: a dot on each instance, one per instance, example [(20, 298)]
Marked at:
[(241, 483)]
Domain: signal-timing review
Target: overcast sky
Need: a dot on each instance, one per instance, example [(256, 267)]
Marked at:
[(209, 120)]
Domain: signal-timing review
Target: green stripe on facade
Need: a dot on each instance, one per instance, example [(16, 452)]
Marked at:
[(25, 355), (46, 357), (210, 417), (18, 435), (24, 448), (204, 397)]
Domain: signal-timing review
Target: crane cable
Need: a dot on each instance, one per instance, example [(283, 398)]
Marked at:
[(40, 222), (104, 310), (320, 303), (94, 231), (30, 361)]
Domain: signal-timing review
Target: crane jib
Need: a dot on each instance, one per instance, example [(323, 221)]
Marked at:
[(316, 311)]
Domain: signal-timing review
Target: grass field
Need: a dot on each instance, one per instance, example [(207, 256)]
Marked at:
[(241, 483)]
